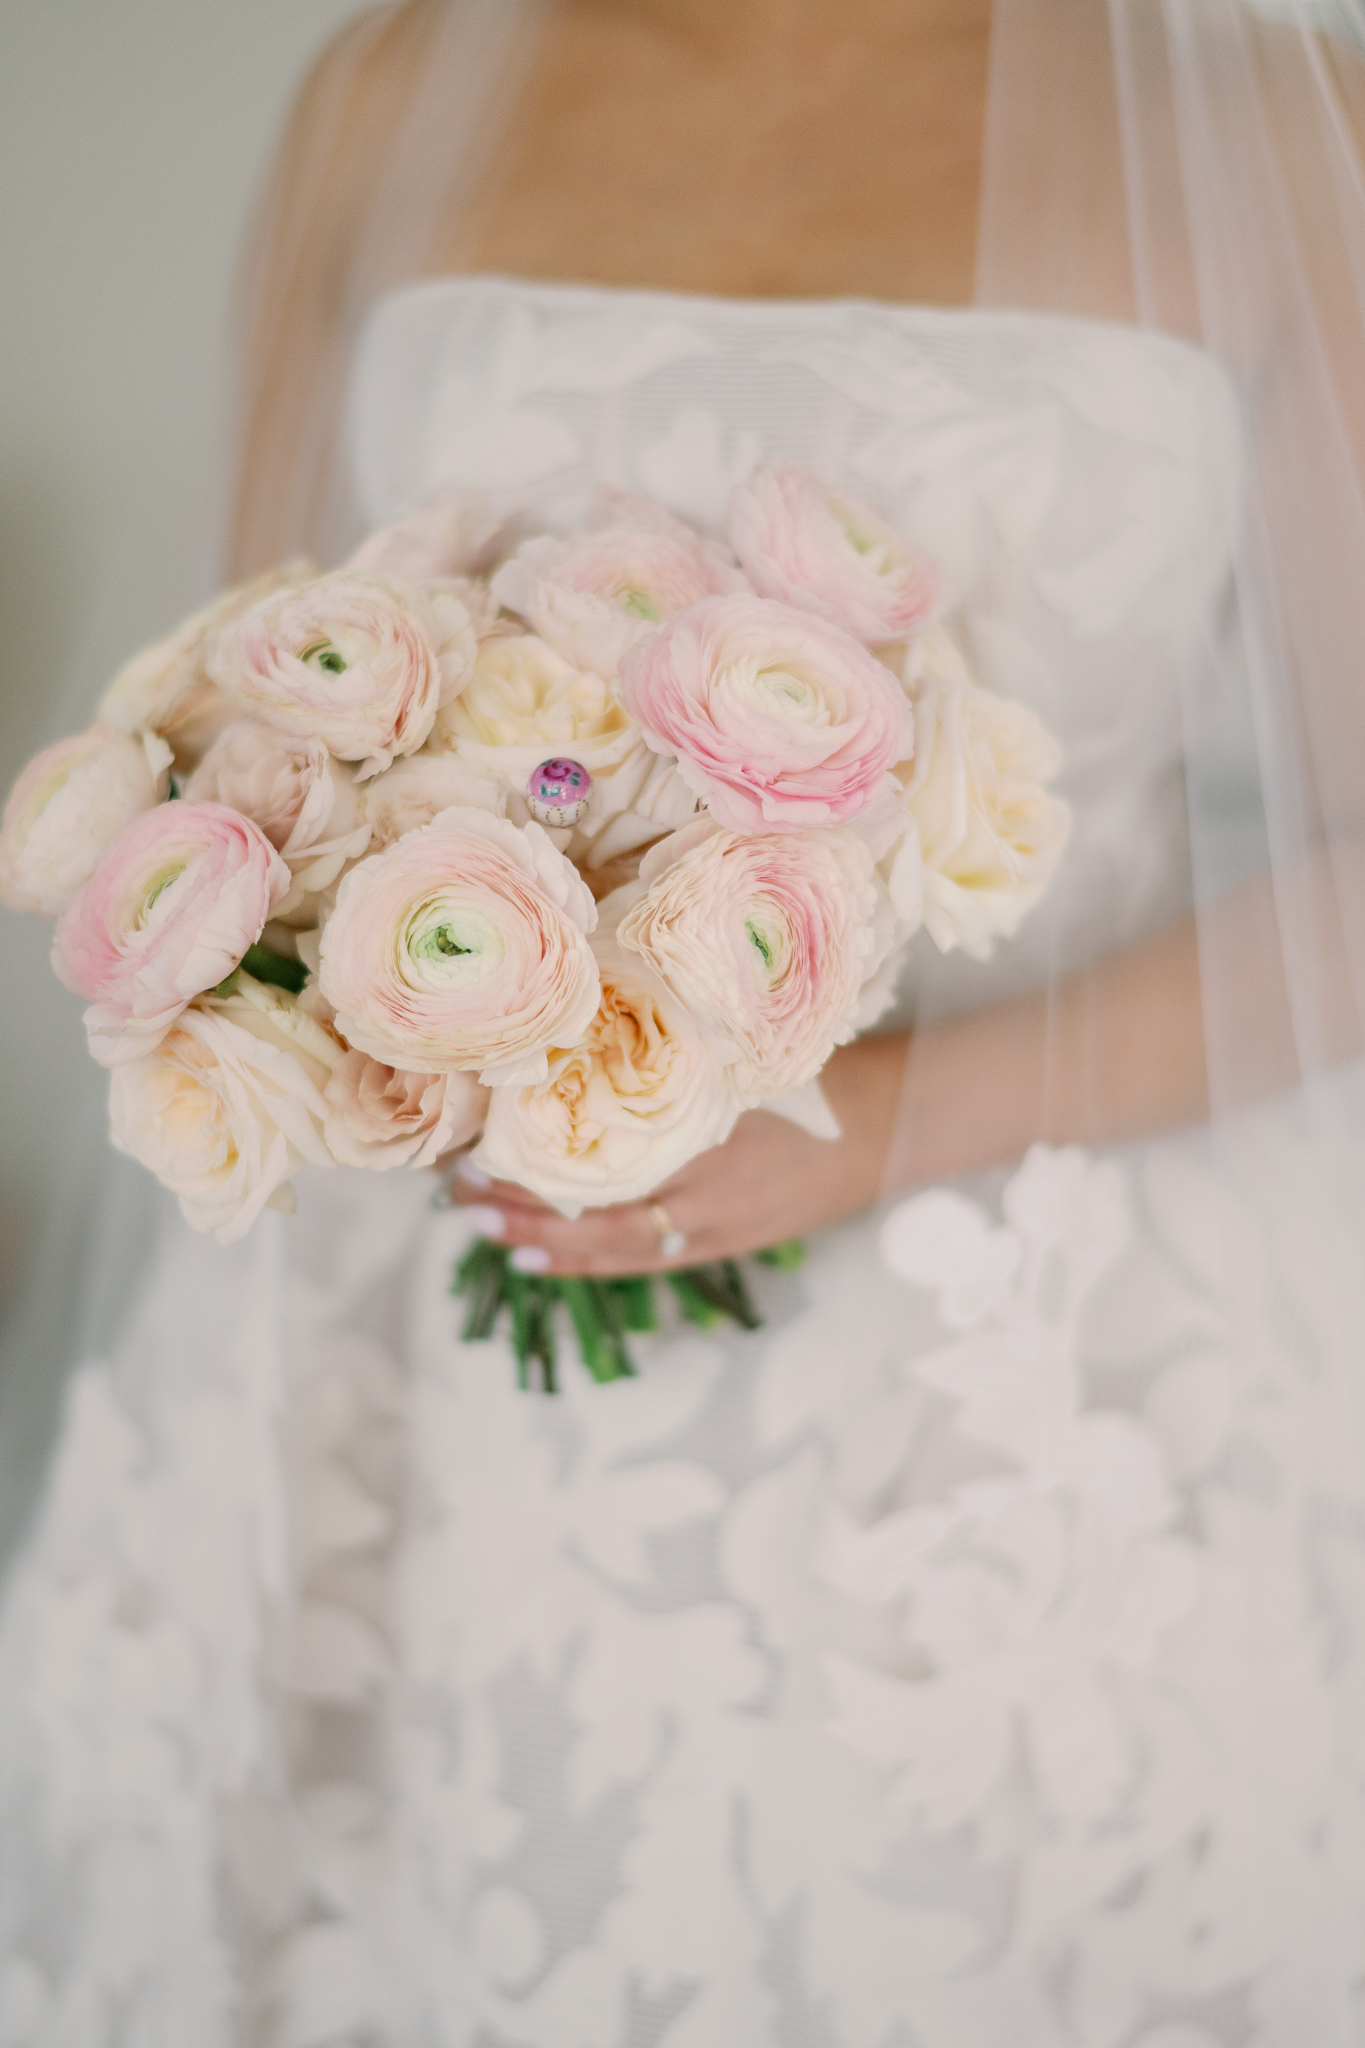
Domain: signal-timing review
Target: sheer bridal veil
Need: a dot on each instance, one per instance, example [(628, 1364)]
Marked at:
[(1189, 166)]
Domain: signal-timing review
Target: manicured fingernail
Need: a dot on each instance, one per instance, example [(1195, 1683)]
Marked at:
[(673, 1245), (487, 1221), (531, 1258), (473, 1175)]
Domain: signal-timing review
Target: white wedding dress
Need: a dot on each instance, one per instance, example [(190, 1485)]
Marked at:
[(961, 1665)]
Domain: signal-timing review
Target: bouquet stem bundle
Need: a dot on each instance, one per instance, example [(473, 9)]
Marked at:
[(603, 1312)]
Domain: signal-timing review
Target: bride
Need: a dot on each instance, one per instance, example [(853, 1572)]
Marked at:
[(973, 1655)]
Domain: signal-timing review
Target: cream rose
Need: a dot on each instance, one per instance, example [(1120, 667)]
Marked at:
[(306, 803), (769, 938), (642, 1092), (462, 948), (68, 806), (168, 913), (380, 1117), (524, 704), (228, 1106), (167, 688), (984, 832), (361, 663)]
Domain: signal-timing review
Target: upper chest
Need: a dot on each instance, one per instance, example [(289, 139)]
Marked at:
[(848, 166)]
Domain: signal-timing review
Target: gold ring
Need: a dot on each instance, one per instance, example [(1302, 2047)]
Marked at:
[(672, 1242)]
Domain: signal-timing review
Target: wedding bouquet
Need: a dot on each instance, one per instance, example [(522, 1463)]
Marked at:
[(568, 848)]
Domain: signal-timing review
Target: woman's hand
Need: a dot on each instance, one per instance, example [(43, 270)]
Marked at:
[(770, 1180)]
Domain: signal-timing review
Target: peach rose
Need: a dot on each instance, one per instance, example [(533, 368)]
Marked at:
[(228, 1106), (70, 803), (168, 913), (642, 1092), (779, 721), (361, 663), (167, 688), (769, 938), (379, 1117), (306, 803), (595, 595), (813, 548), (462, 948)]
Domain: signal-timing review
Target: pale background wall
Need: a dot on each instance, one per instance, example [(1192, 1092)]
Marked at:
[(134, 136)]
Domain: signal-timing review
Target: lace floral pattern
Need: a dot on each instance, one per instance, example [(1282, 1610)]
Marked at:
[(972, 1655)]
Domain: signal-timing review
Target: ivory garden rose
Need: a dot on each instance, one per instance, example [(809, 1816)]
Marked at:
[(228, 1106), (462, 948), (985, 833), (70, 803), (779, 720), (595, 595), (812, 547), (168, 913), (360, 662), (642, 1092), (768, 938)]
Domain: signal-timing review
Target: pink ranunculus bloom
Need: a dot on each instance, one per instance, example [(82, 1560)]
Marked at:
[(779, 720), (822, 552), (595, 595), (360, 662), (70, 803), (462, 948), (306, 803), (769, 938), (380, 1117), (456, 536), (168, 913)]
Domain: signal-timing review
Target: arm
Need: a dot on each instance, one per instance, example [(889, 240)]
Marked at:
[(1112, 1053)]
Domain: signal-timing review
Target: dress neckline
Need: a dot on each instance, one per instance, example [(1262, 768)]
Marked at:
[(587, 297)]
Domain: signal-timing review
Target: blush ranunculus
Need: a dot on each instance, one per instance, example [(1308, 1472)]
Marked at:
[(643, 1091), (169, 912), (228, 1106), (380, 1117), (779, 720), (813, 548), (167, 689), (361, 663), (306, 803), (985, 832), (462, 948), (69, 805), (595, 595), (451, 537), (769, 939)]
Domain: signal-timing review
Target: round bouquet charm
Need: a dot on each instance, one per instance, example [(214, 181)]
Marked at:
[(558, 791)]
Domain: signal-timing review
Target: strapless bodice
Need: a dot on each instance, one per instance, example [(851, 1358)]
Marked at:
[(1077, 483)]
